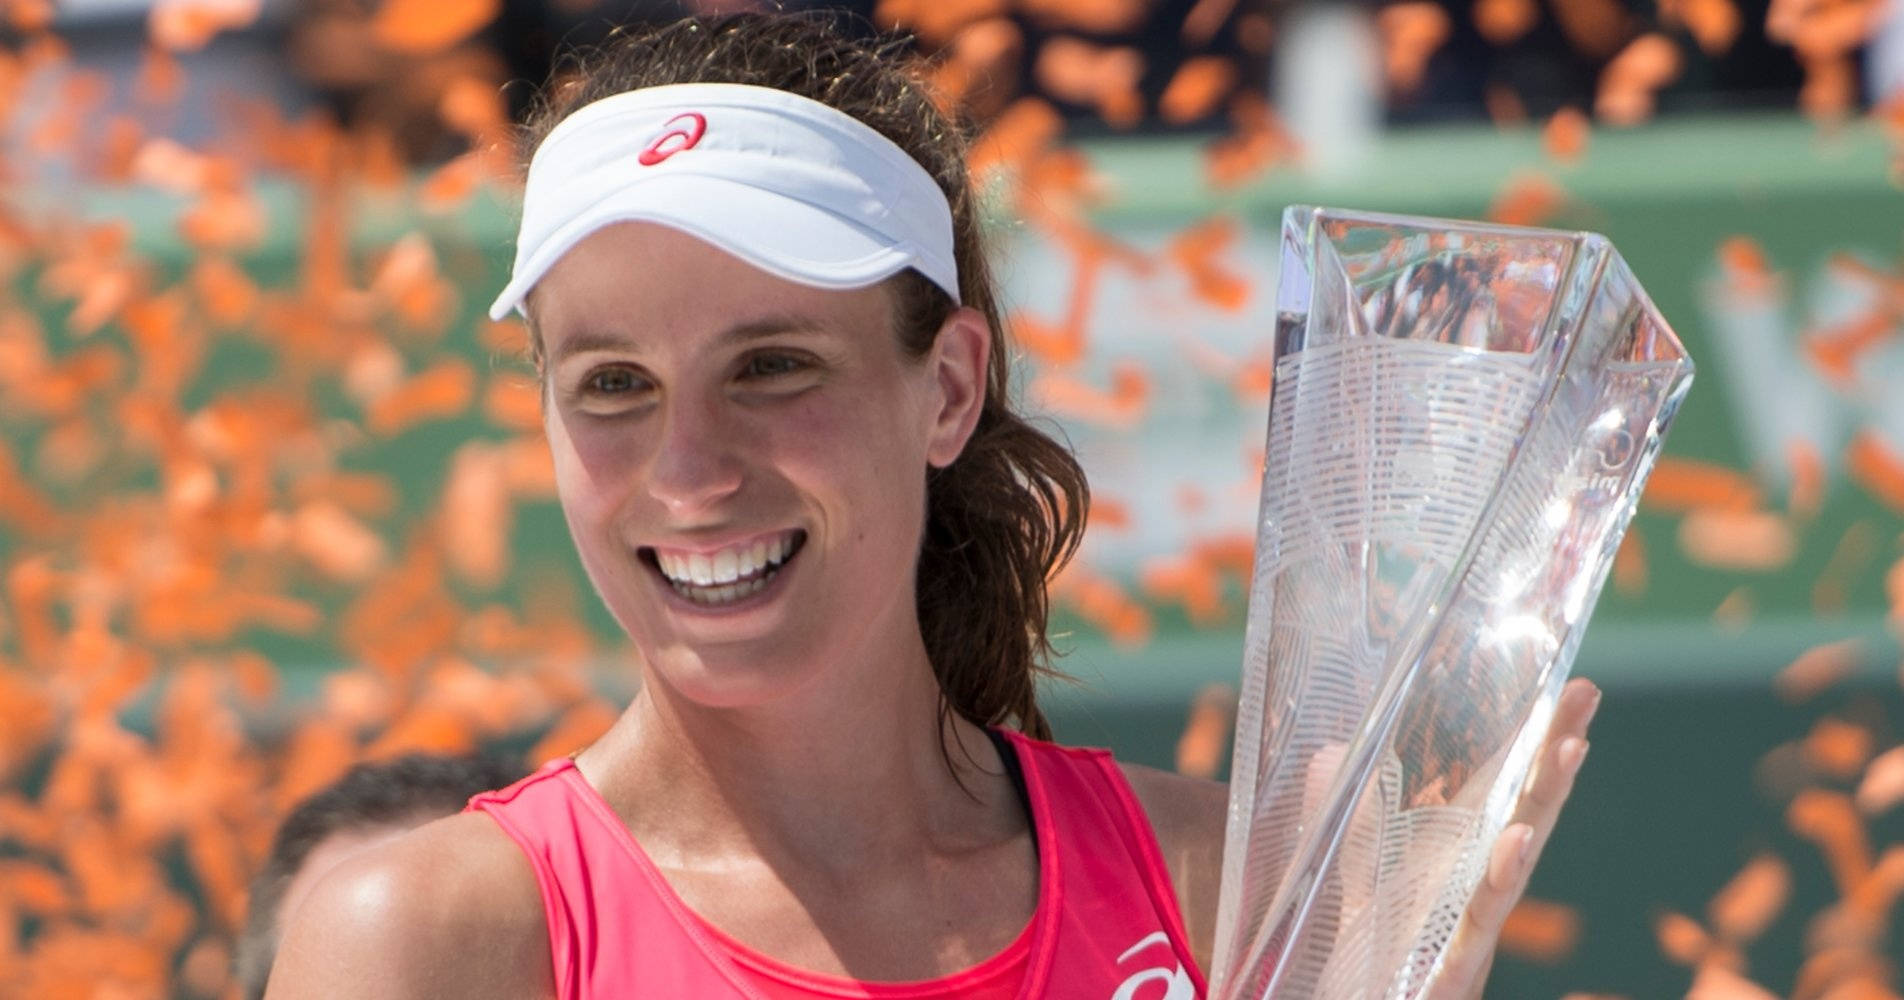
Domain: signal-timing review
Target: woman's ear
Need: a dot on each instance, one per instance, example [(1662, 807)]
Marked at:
[(961, 358)]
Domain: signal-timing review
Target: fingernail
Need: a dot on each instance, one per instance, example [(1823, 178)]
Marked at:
[(1592, 706), (1526, 851), (1508, 857), (1573, 753)]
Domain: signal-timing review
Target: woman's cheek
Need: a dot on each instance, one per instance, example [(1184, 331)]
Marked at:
[(592, 467)]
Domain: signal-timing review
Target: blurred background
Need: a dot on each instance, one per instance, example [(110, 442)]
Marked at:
[(274, 497)]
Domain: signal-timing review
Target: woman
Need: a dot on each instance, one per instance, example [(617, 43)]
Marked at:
[(776, 398)]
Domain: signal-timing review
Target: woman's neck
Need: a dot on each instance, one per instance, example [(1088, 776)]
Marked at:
[(845, 773)]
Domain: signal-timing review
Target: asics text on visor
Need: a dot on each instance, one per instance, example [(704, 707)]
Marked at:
[(794, 187)]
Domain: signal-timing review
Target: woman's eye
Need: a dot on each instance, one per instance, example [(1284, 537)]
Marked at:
[(770, 365), (612, 381)]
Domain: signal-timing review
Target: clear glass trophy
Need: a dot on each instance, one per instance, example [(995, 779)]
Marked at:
[(1462, 421)]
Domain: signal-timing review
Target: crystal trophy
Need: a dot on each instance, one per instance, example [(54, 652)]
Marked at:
[(1462, 420)]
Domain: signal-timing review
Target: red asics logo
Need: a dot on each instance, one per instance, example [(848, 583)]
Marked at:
[(687, 127)]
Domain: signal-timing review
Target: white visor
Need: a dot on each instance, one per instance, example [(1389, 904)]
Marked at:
[(794, 187)]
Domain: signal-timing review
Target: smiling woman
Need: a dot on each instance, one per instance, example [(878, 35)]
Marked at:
[(776, 392)]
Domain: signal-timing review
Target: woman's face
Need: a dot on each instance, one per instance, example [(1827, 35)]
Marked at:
[(742, 459)]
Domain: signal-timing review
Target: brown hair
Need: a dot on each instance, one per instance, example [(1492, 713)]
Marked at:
[(1010, 511)]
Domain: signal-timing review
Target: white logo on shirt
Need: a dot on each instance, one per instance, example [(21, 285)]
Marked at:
[(1176, 982)]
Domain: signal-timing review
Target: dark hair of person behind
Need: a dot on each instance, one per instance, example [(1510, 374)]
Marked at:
[(1011, 510), (408, 790)]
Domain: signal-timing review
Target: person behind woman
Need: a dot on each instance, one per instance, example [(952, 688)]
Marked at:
[(373, 802), (776, 390)]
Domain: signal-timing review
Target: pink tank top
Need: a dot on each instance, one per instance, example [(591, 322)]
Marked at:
[(1106, 925)]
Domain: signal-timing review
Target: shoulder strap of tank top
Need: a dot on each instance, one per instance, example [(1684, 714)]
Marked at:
[(1015, 770)]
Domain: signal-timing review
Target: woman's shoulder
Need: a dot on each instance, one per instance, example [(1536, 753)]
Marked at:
[(451, 908), (1188, 816)]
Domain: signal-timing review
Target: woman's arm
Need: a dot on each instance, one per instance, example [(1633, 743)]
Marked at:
[(449, 910), (1190, 815)]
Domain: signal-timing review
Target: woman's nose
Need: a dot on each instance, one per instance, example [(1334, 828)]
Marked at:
[(696, 463)]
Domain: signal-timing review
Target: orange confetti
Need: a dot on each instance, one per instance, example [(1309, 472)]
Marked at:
[(935, 22), (161, 81), (1807, 492), (1681, 939), (1758, 541), (1527, 200), (1830, 820), (1206, 18), (189, 25), (1565, 135), (530, 467), (1502, 22), (1876, 467), (1882, 786), (1411, 32), (1196, 250), (1109, 514), (1630, 82), (1257, 142), (1818, 668), (1019, 135), (1678, 485), (224, 220), (225, 293), (443, 391), (477, 512), (1838, 749), (29, 16), (424, 729), (979, 72), (1104, 77), (1097, 17), (453, 183), (1100, 601), (513, 403), (409, 283), (336, 543), (422, 27), (579, 726), (475, 108), (1629, 565), (1188, 581), (1744, 263), (1748, 904), (1714, 24), (1835, 351), (1206, 736), (1199, 85), (1541, 931), (1122, 406)]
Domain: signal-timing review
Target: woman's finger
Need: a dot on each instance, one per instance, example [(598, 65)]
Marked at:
[(1464, 966), (1559, 760), (1511, 861)]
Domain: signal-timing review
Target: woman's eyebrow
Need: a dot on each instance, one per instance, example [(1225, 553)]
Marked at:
[(753, 329), (768, 326), (586, 341)]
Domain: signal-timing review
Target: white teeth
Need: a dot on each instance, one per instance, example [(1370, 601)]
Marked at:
[(719, 595), (726, 575)]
